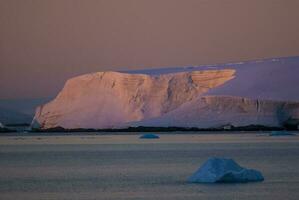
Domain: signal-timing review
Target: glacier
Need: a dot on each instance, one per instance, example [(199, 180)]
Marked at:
[(263, 92)]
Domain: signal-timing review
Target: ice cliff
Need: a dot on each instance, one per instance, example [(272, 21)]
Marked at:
[(255, 92), (218, 111)]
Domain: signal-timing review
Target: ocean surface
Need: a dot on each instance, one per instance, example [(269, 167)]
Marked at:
[(126, 167)]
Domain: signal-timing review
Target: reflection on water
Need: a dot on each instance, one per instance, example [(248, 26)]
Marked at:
[(143, 170)]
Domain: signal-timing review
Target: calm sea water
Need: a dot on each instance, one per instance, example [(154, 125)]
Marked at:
[(143, 170)]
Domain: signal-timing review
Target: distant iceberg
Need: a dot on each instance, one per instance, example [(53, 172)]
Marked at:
[(281, 133), (149, 136), (221, 170)]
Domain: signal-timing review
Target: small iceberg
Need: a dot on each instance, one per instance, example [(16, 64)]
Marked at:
[(281, 133), (149, 136), (221, 170)]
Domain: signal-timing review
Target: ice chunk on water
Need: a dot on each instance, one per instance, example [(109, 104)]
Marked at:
[(149, 136), (35, 124), (281, 133), (216, 170)]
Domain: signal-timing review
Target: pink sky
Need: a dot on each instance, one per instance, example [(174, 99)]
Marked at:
[(42, 43)]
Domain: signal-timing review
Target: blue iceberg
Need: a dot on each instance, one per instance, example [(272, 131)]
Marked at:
[(281, 133), (149, 136), (222, 170)]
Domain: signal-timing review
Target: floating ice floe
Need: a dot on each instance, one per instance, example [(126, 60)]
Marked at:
[(221, 170), (149, 136), (281, 133)]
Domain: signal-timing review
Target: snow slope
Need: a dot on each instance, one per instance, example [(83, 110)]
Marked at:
[(261, 92), (273, 79)]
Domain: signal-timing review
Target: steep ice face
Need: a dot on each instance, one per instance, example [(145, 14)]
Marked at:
[(222, 170), (112, 99), (217, 111)]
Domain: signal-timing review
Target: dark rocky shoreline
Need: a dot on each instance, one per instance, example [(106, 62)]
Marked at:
[(163, 129)]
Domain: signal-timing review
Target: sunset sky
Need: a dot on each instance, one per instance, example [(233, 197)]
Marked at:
[(45, 42)]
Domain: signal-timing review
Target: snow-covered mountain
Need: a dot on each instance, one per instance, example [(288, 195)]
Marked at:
[(19, 111), (8, 116), (263, 92)]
